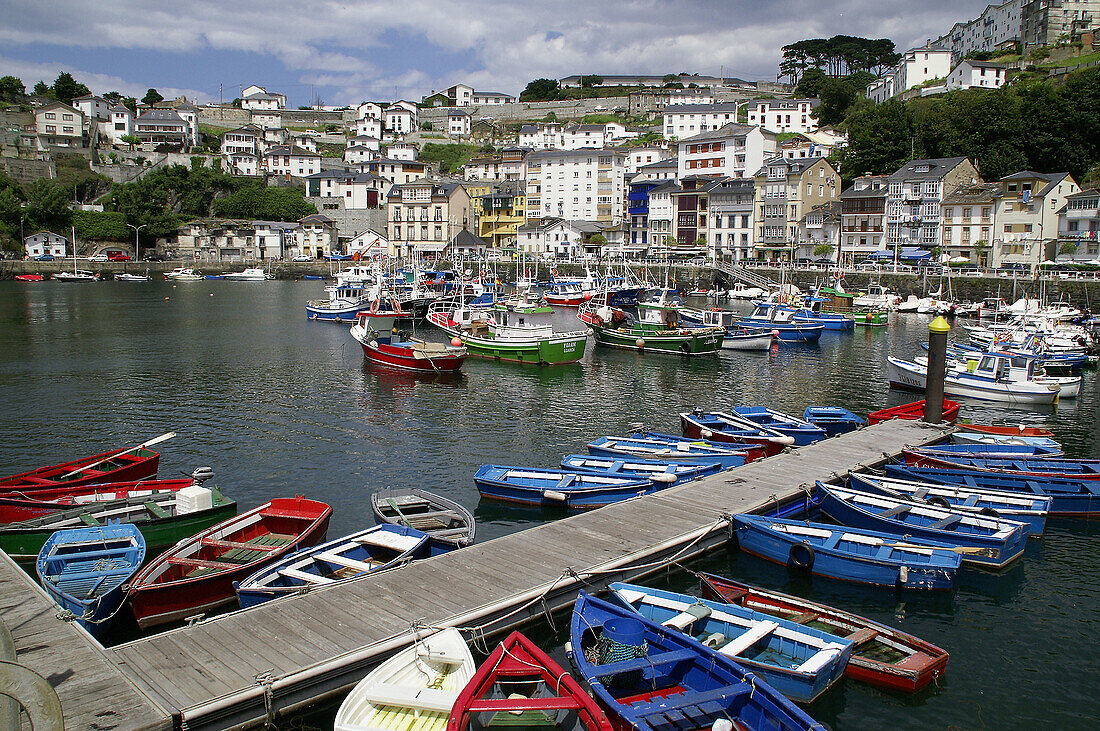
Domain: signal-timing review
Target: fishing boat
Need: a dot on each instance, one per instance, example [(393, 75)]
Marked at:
[(1022, 369), (520, 685), (1047, 444), (84, 571), (413, 690), (833, 419), (982, 540), (1030, 510), (16, 506), (736, 337), (800, 662), (120, 465), (162, 518), (567, 294), (913, 411), (441, 518), (183, 274), (250, 274), (406, 353), (670, 473), (344, 304), (850, 554), (988, 382), (773, 311), (884, 657), (1020, 430), (745, 292), (1074, 469), (365, 551), (876, 297), (508, 336), (648, 445), (654, 678), (128, 277), (723, 427), (657, 329), (1070, 498), (782, 322), (871, 319), (558, 488), (802, 431), (197, 574)]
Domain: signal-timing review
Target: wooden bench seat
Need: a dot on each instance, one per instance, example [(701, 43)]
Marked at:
[(421, 699), (736, 646)]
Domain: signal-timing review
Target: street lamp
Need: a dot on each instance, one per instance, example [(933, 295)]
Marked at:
[(137, 249)]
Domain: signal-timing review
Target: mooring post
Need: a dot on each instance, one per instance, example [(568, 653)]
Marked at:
[(937, 370)]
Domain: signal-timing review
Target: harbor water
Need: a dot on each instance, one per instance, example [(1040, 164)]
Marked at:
[(278, 406)]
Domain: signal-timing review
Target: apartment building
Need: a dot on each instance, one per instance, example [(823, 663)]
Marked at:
[(248, 138), (977, 74), (556, 237), (785, 191), (356, 190), (662, 215), (398, 172), (820, 226), (687, 120), (61, 125), (1027, 216), (999, 26), (92, 106), (691, 210), (1045, 22), (258, 98), (636, 157), (120, 123), (316, 236), (500, 212), (291, 161), (917, 66), (1079, 226), (731, 221), (424, 216), (968, 215), (542, 136), (733, 150), (863, 218), (914, 198), (585, 185), (783, 115)]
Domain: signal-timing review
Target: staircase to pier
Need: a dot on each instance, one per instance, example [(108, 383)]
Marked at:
[(742, 274)]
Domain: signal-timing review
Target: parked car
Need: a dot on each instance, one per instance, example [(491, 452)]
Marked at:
[(156, 257), (44, 257), (118, 257), (98, 257), (302, 257)]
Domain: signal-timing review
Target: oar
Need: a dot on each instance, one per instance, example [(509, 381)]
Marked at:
[(970, 550), (393, 504), (157, 440)]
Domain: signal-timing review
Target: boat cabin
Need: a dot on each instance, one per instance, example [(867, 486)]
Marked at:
[(1003, 368), (720, 318)]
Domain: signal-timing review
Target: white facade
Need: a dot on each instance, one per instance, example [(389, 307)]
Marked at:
[(735, 150), (241, 140), (258, 98), (918, 65), (662, 210), (120, 123), (399, 121), (316, 236), (542, 136), (997, 27), (92, 107), (586, 185), (398, 172), (1026, 219), (688, 120), (460, 95), (636, 157), (267, 119), (355, 154), (491, 98), (274, 239), (402, 151), (292, 161), (552, 237), (369, 110), (45, 242), (368, 127), (980, 74), (59, 124), (783, 115), (458, 123), (368, 245), (241, 163)]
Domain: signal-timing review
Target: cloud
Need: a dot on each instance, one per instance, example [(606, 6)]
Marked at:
[(33, 71), (365, 48)]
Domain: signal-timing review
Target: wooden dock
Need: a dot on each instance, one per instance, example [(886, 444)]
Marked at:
[(243, 668)]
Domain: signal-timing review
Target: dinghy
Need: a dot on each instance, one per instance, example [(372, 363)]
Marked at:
[(444, 520), (833, 419), (16, 506), (912, 411), (883, 656), (413, 690), (719, 426), (649, 445), (670, 473), (120, 465), (558, 488), (1074, 469), (802, 431)]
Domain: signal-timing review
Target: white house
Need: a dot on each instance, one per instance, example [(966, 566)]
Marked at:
[(370, 110), (398, 120), (260, 99), (398, 172), (242, 139), (458, 122), (357, 154), (356, 190), (820, 143), (374, 143), (490, 98), (687, 120), (306, 142), (59, 125), (274, 239), (542, 136), (662, 211), (45, 242), (291, 161), (120, 123), (918, 66), (368, 245), (189, 113), (636, 157), (92, 106), (460, 95), (553, 237), (402, 151), (734, 150), (657, 170), (272, 119), (369, 126), (783, 115), (241, 162), (1026, 216), (980, 74), (316, 236), (583, 185), (159, 126)]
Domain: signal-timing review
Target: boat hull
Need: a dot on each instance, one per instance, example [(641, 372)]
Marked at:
[(583, 492), (15, 507), (407, 359), (136, 465), (690, 342), (773, 442), (912, 377), (343, 315)]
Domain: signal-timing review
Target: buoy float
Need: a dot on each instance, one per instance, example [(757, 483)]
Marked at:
[(587, 296), (706, 433), (640, 343), (456, 342), (165, 299), (394, 331)]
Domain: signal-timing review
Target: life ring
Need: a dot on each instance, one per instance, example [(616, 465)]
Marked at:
[(939, 501), (801, 556), (374, 307)]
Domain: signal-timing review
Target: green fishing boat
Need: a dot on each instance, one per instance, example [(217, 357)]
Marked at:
[(656, 330), (516, 337), (162, 519)]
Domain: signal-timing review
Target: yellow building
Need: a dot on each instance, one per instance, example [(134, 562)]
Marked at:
[(500, 209)]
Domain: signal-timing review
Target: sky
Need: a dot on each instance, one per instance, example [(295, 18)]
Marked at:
[(346, 52)]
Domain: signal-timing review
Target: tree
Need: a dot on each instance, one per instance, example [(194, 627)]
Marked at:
[(540, 90), (1067, 248), (48, 205), (130, 140), (12, 89), (981, 251), (66, 88), (269, 204), (824, 251), (598, 239), (591, 80), (669, 78), (152, 96)]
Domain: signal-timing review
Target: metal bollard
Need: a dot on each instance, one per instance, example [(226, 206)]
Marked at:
[(937, 370)]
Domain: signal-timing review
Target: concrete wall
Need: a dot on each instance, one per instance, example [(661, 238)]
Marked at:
[(231, 117), (354, 221), (27, 171)]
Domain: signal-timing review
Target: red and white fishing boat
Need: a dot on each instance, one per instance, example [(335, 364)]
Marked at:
[(913, 411), (17, 505), (198, 574), (120, 465), (410, 354)]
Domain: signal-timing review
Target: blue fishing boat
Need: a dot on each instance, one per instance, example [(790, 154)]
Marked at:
[(84, 570), (1077, 469), (345, 302), (371, 549), (986, 450), (1031, 510), (850, 554), (658, 471), (982, 540), (652, 678), (802, 431), (557, 488), (970, 437), (800, 662), (1076, 498), (803, 315), (790, 332), (650, 445), (833, 419)]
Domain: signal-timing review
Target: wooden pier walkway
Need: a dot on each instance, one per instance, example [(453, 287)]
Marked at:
[(244, 668)]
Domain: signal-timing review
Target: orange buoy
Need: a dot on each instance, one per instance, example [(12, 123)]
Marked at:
[(456, 342)]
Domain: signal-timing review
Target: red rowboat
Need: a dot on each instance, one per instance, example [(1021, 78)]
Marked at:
[(732, 429), (116, 466), (520, 684), (1039, 467), (412, 354), (29, 278), (913, 411), (198, 574), (1009, 431), (884, 656), (17, 505)]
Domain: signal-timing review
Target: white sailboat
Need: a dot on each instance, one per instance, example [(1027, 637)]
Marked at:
[(77, 275)]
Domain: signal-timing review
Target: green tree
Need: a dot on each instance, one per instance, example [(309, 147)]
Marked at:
[(152, 96), (880, 138), (66, 88), (270, 204), (48, 205), (540, 90), (591, 80), (42, 89), (824, 251), (12, 89), (131, 140), (669, 78)]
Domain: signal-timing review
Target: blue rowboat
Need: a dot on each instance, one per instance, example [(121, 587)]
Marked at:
[(720, 426), (987, 450), (969, 437), (850, 554), (800, 662), (988, 541), (833, 419), (1076, 498), (1027, 509), (652, 678), (371, 549), (1077, 469), (84, 570), (648, 445), (790, 332), (801, 430), (669, 473), (557, 488)]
